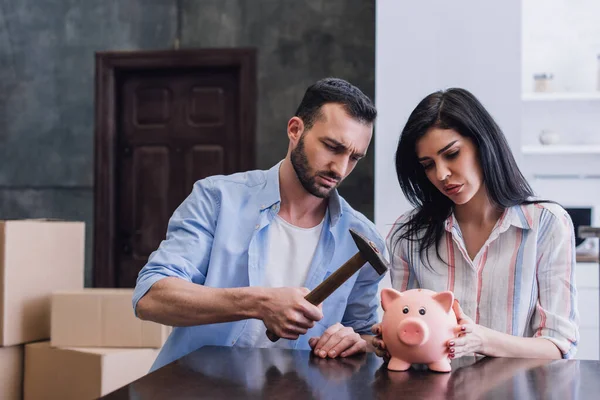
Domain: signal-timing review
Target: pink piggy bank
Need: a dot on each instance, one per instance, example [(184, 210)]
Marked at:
[(416, 327)]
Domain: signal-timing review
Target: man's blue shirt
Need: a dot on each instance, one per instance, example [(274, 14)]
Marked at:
[(218, 237)]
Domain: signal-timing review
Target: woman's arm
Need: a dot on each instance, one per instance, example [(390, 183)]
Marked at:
[(498, 344), (475, 338), (555, 320), (555, 316)]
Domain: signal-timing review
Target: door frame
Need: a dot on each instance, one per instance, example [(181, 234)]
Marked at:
[(108, 66)]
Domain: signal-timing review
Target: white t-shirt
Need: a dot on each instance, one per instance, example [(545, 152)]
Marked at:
[(290, 253)]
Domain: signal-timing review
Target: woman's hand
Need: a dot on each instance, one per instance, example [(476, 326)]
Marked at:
[(471, 337), (378, 343)]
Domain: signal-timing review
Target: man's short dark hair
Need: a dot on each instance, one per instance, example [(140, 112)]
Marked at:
[(334, 90)]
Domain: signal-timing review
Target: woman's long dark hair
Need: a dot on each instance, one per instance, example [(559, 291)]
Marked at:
[(459, 110)]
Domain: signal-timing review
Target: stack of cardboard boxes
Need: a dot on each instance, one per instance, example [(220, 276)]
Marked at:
[(96, 343), (36, 258)]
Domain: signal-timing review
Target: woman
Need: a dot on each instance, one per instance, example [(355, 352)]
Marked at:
[(475, 230)]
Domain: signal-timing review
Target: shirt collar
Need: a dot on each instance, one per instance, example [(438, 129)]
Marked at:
[(272, 195), (335, 207), (449, 223), (518, 216)]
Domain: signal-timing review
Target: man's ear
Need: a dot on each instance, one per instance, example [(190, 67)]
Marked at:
[(295, 129), (388, 296)]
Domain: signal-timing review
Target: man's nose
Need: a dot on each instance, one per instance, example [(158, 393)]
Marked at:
[(339, 166)]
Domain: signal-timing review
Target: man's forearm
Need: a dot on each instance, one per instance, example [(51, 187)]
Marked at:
[(176, 302)]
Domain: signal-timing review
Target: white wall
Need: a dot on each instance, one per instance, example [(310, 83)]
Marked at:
[(561, 37), (423, 46)]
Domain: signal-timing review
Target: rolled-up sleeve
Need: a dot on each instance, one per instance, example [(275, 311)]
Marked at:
[(185, 253), (556, 317)]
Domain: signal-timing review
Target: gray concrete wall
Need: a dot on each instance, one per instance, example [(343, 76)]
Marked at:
[(47, 82)]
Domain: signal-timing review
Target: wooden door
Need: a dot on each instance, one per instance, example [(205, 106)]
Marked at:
[(173, 125)]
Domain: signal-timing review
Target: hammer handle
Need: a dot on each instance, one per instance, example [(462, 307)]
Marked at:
[(329, 285), (335, 280)]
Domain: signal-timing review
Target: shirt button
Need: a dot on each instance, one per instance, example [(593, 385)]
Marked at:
[(257, 226)]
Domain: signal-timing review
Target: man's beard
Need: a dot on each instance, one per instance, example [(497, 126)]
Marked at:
[(309, 183)]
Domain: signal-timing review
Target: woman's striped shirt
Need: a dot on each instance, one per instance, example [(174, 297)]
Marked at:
[(521, 282)]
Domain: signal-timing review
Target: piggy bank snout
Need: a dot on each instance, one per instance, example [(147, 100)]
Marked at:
[(413, 332)]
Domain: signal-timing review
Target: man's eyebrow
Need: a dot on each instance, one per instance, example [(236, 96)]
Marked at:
[(335, 143), (342, 146), (440, 151)]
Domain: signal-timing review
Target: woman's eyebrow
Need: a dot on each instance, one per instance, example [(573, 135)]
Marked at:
[(440, 151)]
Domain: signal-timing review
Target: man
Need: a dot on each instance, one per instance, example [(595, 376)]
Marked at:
[(240, 247)]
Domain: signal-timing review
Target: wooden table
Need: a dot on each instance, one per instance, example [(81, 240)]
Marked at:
[(234, 373)]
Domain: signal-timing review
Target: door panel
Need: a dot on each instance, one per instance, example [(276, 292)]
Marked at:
[(203, 161), (150, 205), (176, 127), (206, 107), (164, 119), (151, 106)]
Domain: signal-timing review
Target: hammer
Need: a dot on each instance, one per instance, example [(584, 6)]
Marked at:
[(367, 252)]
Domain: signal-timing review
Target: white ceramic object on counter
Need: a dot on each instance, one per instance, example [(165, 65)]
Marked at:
[(542, 82), (549, 137)]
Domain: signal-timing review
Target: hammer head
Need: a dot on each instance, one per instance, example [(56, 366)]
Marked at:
[(369, 251)]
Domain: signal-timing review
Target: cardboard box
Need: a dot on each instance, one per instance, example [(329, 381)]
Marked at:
[(37, 257), (11, 376), (101, 318), (81, 373)]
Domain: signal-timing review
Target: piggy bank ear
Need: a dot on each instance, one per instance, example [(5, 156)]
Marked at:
[(445, 299), (387, 296)]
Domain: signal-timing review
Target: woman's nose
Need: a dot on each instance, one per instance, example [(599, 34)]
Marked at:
[(443, 173)]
